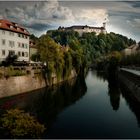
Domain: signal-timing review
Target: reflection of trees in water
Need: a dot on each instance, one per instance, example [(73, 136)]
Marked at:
[(59, 98), (133, 104), (113, 89), (114, 93), (45, 104), (101, 75)]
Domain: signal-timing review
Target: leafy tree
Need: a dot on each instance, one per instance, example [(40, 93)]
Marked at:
[(21, 125)]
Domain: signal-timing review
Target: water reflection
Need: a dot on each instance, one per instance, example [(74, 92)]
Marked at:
[(113, 89), (45, 104), (90, 117), (132, 102)]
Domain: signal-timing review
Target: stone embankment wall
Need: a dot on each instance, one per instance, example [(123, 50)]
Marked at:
[(22, 84), (131, 82)]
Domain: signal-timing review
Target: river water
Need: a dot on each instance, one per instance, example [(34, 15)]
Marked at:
[(91, 107)]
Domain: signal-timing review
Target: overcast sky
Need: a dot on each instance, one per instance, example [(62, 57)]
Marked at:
[(38, 17)]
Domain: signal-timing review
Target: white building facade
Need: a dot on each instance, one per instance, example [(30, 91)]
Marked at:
[(85, 29), (14, 40)]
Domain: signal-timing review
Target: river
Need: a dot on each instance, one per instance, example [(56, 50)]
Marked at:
[(91, 107)]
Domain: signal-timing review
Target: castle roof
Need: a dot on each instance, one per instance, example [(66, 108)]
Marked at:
[(82, 27), (12, 26)]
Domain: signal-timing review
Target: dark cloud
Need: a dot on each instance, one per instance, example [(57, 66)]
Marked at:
[(39, 16), (135, 4), (39, 26)]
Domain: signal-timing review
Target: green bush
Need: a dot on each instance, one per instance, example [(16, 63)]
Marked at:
[(21, 125), (11, 72), (133, 59)]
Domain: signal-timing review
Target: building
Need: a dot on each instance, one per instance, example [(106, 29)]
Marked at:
[(85, 29), (33, 48), (133, 49), (14, 40)]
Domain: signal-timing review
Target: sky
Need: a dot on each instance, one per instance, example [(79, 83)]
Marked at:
[(121, 17)]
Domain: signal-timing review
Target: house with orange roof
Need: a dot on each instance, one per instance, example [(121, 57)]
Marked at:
[(14, 40), (133, 49)]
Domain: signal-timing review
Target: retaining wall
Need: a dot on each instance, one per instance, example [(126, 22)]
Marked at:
[(22, 84), (131, 82)]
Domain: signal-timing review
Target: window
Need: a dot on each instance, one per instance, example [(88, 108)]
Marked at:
[(11, 33), (18, 35), (19, 53), (11, 26), (3, 52), (26, 54), (19, 44), (3, 41), (26, 45), (3, 32), (11, 52), (22, 53), (22, 45), (11, 43)]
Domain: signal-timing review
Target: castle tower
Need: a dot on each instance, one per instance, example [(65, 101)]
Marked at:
[(104, 25)]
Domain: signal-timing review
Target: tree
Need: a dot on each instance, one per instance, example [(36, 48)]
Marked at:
[(10, 59), (21, 125)]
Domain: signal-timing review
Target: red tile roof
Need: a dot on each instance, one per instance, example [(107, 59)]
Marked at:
[(12, 26)]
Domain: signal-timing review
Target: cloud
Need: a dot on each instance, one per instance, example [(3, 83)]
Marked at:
[(44, 15), (134, 22), (39, 16), (92, 16)]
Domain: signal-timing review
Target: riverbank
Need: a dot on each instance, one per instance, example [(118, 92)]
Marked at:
[(15, 85), (131, 82)]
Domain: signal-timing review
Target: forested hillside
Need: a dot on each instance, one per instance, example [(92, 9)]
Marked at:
[(65, 50)]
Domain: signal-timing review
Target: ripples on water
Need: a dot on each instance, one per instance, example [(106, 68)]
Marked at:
[(91, 107)]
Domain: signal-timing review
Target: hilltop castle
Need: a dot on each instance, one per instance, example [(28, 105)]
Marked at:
[(85, 29)]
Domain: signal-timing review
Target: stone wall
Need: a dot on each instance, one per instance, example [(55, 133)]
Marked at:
[(131, 82), (22, 84)]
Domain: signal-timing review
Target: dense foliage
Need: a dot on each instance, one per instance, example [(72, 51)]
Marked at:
[(110, 62), (131, 60), (63, 51), (19, 124), (93, 45)]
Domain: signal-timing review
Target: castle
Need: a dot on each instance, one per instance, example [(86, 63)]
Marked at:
[(85, 29)]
